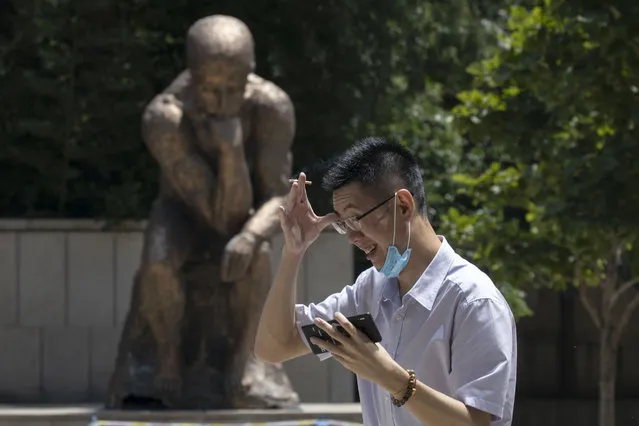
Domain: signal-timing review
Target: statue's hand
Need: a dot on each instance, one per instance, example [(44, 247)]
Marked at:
[(225, 132), (237, 257)]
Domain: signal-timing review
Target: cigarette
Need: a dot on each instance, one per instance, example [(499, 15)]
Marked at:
[(308, 182)]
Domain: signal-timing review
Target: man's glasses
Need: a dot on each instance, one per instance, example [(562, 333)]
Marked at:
[(352, 223)]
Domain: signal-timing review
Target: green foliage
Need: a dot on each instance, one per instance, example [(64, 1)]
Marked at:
[(552, 116), (424, 122), (74, 74), (79, 74), (445, 39), (522, 118)]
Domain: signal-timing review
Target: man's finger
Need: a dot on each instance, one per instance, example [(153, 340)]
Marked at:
[(347, 325), (335, 350), (331, 330), (293, 195), (326, 220), (341, 360), (291, 198), (303, 196), (285, 219)]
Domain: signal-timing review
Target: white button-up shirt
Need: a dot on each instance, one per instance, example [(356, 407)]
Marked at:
[(454, 328)]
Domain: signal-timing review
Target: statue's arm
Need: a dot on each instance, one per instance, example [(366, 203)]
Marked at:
[(233, 193), (273, 132), (165, 137)]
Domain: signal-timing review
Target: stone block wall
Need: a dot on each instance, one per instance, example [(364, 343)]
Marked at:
[(64, 293)]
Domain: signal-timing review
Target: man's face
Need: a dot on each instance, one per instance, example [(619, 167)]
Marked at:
[(376, 228), (219, 87)]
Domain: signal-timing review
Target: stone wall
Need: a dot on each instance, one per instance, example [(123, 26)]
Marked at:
[(65, 288), (64, 294)]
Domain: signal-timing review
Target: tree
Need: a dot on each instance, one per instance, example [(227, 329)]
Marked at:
[(79, 74), (553, 117), (448, 37)]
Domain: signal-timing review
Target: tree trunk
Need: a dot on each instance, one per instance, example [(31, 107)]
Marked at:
[(607, 376)]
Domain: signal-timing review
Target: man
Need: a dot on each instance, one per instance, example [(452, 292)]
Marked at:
[(438, 315), (221, 136)]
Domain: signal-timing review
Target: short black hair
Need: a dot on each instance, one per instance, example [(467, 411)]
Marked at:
[(376, 163)]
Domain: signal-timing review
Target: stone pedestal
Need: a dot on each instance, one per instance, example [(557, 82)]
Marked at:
[(306, 414)]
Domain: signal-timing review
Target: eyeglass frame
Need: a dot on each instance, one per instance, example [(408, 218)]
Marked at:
[(342, 226)]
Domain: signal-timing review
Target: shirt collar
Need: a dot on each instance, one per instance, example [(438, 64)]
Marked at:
[(427, 286)]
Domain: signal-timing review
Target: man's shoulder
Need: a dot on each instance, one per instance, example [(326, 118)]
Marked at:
[(370, 284), (367, 276), (472, 283)]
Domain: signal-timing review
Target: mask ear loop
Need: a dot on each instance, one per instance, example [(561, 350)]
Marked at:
[(394, 218), (395, 224)]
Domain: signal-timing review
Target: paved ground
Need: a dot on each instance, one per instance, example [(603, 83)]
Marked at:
[(81, 415)]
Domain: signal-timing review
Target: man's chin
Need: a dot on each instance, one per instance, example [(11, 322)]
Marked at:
[(377, 263)]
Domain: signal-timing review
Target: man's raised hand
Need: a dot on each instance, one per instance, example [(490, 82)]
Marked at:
[(300, 225)]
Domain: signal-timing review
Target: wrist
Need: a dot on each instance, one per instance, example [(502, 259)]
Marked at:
[(400, 394), (396, 382), (291, 254)]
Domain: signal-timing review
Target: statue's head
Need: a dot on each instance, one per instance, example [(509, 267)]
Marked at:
[(220, 56)]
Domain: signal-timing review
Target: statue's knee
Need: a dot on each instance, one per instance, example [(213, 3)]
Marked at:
[(157, 274)]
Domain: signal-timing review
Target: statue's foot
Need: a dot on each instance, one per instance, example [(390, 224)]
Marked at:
[(168, 387), (114, 392), (267, 386), (168, 380), (114, 402)]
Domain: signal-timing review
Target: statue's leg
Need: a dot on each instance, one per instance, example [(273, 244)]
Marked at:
[(117, 389), (260, 384), (166, 246), (249, 295)]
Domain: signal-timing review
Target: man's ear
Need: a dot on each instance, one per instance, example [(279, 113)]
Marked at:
[(406, 203)]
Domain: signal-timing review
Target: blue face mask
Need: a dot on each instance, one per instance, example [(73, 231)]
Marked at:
[(395, 262)]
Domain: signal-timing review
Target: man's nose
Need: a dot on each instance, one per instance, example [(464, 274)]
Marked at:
[(353, 236)]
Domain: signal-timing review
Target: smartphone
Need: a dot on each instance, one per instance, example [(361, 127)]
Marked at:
[(362, 322)]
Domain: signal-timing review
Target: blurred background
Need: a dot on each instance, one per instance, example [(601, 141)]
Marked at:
[(523, 115)]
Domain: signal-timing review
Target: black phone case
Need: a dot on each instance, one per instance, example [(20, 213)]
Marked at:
[(363, 322)]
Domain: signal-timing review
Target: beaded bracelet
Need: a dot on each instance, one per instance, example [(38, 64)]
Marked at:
[(410, 390)]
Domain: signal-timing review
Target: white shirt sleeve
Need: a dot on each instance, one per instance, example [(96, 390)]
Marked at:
[(349, 301), (484, 355)]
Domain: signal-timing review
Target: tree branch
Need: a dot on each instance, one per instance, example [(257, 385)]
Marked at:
[(621, 290), (589, 308), (625, 318), (609, 284), (584, 297)]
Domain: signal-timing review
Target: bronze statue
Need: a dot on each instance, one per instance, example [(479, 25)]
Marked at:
[(221, 136)]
